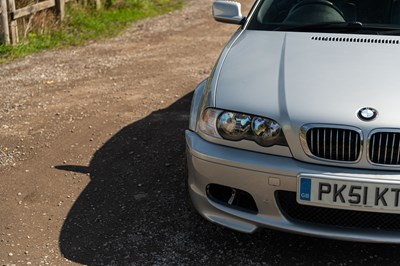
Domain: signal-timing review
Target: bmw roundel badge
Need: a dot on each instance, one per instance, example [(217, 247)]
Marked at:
[(367, 114)]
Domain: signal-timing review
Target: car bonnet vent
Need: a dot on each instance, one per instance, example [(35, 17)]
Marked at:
[(355, 40)]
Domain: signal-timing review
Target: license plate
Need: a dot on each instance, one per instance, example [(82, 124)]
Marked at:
[(345, 193)]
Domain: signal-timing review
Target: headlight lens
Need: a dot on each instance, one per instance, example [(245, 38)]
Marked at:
[(233, 126), (208, 121), (266, 131), (238, 126)]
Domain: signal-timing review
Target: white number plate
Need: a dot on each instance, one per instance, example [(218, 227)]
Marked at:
[(344, 193)]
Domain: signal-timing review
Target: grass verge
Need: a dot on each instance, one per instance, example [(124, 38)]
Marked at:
[(85, 23)]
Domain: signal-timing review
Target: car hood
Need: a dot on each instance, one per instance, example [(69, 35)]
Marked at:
[(301, 78)]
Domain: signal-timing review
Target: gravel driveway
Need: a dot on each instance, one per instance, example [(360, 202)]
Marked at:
[(92, 158)]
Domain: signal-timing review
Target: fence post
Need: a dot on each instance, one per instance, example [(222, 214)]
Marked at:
[(60, 9), (4, 22), (98, 4), (13, 23)]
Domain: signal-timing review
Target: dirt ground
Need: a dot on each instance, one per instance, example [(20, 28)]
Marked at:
[(87, 118), (92, 157)]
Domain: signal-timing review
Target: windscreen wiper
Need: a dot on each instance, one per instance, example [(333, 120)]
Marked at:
[(389, 31), (343, 26)]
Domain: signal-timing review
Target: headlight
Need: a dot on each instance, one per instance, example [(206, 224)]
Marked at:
[(207, 122), (266, 132), (238, 126), (233, 126)]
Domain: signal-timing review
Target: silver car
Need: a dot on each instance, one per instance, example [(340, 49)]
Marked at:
[(297, 126)]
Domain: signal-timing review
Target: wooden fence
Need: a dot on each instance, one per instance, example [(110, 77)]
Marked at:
[(9, 16)]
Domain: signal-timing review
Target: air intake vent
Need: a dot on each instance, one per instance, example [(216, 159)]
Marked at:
[(333, 144), (335, 217), (384, 148), (355, 40)]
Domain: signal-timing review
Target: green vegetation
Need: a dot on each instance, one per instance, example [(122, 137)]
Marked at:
[(86, 23)]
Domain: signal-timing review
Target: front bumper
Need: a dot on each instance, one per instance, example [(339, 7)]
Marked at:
[(262, 175)]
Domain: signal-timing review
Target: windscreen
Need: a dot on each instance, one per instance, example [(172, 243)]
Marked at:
[(272, 14)]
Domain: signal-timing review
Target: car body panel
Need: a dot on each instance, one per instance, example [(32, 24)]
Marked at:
[(276, 82), (212, 163), (300, 80)]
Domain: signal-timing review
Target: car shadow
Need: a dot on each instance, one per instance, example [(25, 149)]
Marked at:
[(134, 211)]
